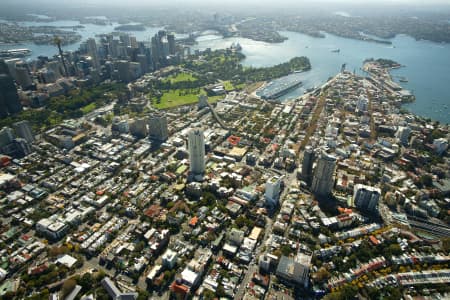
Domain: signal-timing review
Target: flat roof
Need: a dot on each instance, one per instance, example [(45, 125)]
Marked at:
[(256, 231)]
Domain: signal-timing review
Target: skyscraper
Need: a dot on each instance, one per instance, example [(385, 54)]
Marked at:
[(9, 99), (92, 51), (171, 40), (322, 183), (157, 125), (23, 130), (272, 192), (6, 136), (307, 164), (123, 68), (366, 197), (138, 127), (23, 75), (403, 134), (196, 144), (202, 101)]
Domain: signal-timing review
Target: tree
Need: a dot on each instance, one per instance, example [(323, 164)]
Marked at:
[(208, 295), (286, 250), (68, 286), (322, 274), (86, 281), (426, 180), (446, 245), (143, 295), (395, 249)]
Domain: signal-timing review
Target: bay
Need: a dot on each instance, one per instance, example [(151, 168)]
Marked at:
[(89, 31), (426, 64)]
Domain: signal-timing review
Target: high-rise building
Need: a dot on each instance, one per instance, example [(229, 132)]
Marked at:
[(114, 48), (23, 148), (23, 130), (93, 51), (366, 197), (155, 52), (23, 77), (440, 145), (307, 165), (138, 127), (322, 183), (55, 67), (403, 135), (272, 192), (157, 127), (143, 61), (202, 101), (120, 125), (6, 136), (133, 42), (362, 104), (123, 68), (171, 41), (9, 99), (196, 144), (11, 67), (135, 70), (125, 39)]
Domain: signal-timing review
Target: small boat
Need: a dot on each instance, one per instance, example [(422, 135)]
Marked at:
[(403, 80), (336, 50)]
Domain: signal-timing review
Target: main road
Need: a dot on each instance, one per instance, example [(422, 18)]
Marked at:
[(263, 247)]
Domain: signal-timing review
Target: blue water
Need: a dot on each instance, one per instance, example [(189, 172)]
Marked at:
[(427, 64), (89, 30)]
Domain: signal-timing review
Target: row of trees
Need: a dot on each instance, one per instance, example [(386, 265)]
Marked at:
[(66, 107)]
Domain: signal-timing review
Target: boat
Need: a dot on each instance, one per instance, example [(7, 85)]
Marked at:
[(15, 53), (403, 80), (336, 50)]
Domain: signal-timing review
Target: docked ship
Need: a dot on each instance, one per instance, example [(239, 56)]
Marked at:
[(15, 53), (279, 87)]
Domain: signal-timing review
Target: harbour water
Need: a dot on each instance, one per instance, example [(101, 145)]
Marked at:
[(89, 30), (427, 64)]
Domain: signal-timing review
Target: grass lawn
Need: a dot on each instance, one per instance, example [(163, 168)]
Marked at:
[(172, 99), (228, 86), (181, 77), (88, 108)]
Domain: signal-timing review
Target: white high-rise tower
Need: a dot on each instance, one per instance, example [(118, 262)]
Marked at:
[(196, 146)]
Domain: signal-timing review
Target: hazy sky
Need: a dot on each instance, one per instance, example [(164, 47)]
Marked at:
[(227, 2), (97, 7)]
